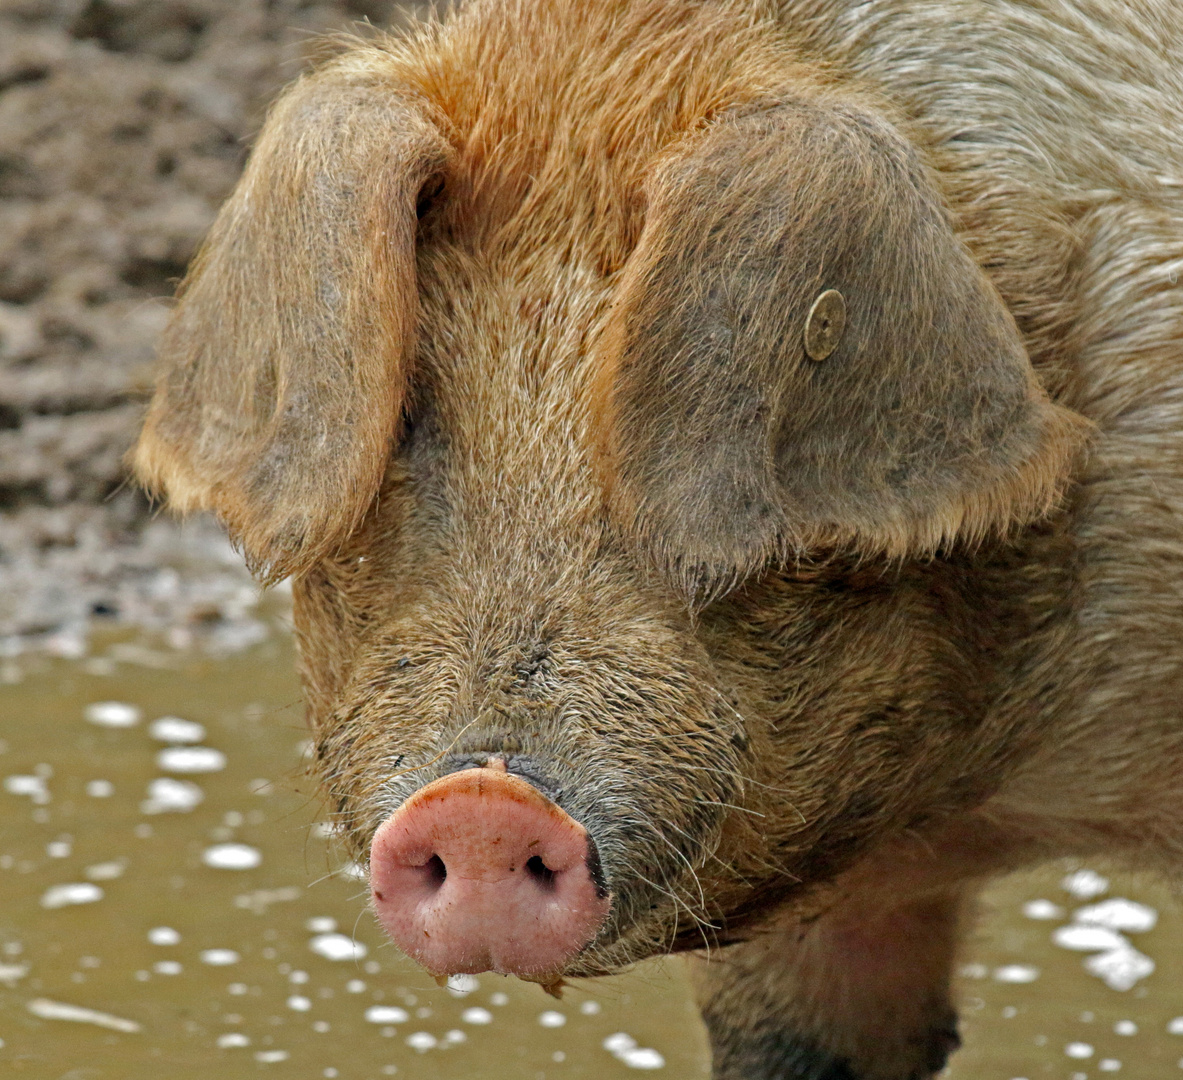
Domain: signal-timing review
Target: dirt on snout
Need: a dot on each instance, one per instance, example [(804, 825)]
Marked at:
[(123, 126)]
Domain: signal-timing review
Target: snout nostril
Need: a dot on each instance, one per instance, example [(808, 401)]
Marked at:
[(436, 870), (540, 872)]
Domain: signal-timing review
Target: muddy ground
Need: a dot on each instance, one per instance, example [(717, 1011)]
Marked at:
[(123, 126)]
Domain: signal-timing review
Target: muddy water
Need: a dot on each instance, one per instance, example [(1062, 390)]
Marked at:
[(169, 906)]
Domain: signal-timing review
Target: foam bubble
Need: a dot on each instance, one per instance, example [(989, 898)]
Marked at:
[(166, 795), (1118, 914), (1088, 938), (58, 1010), (1016, 973), (1085, 884), (33, 786), (1042, 909), (232, 857), (163, 935), (219, 957), (386, 1014), (337, 947), (476, 1015), (80, 892), (191, 759), (172, 729), (112, 714), (1120, 968)]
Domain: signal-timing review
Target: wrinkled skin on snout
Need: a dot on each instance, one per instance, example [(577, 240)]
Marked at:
[(642, 607)]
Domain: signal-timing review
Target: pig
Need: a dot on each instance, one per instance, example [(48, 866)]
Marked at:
[(727, 456)]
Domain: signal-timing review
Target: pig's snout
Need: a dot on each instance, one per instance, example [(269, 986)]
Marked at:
[(479, 871)]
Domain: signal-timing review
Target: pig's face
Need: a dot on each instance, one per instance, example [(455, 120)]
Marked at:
[(548, 386), (488, 609)]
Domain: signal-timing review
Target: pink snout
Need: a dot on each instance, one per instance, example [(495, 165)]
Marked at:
[(479, 871)]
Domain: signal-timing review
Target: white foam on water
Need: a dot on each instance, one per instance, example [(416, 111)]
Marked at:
[(172, 729), (1042, 909), (643, 1057), (499, 998), (232, 857), (552, 1019), (624, 1048), (32, 786), (169, 796), (79, 892), (1078, 1050), (1120, 969), (355, 986), (11, 973), (271, 1056), (476, 1015), (219, 957), (1085, 884), (1016, 973), (1108, 1065), (167, 967), (232, 1039), (454, 1037), (112, 714), (1125, 1027), (299, 978), (58, 1010), (163, 935), (422, 1041), (386, 1014), (1118, 914), (1175, 1026), (337, 947), (106, 871), (59, 849), (190, 759), (1088, 938), (590, 1008), (320, 924), (299, 1003), (100, 789)]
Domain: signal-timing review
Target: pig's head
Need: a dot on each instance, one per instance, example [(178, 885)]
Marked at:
[(584, 383)]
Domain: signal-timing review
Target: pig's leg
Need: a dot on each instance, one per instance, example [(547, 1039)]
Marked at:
[(852, 995)]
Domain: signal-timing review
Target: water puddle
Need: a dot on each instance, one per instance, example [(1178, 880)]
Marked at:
[(168, 902)]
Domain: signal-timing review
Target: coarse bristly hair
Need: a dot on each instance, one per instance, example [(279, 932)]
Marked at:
[(499, 349)]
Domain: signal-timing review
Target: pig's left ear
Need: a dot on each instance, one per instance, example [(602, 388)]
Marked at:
[(801, 355), (285, 361)]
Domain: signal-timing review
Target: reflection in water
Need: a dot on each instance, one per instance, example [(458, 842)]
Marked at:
[(168, 903)]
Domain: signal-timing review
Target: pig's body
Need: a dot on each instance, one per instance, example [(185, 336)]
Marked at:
[(807, 661)]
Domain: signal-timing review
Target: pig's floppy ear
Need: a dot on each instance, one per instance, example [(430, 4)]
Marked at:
[(285, 360), (751, 412)]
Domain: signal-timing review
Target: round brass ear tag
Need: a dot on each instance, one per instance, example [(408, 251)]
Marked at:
[(824, 324)]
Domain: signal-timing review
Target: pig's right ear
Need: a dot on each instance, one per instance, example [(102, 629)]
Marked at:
[(285, 361)]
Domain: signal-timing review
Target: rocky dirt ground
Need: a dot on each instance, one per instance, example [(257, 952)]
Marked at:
[(123, 125)]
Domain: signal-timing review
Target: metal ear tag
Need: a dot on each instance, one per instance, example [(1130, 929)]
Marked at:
[(824, 324)]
